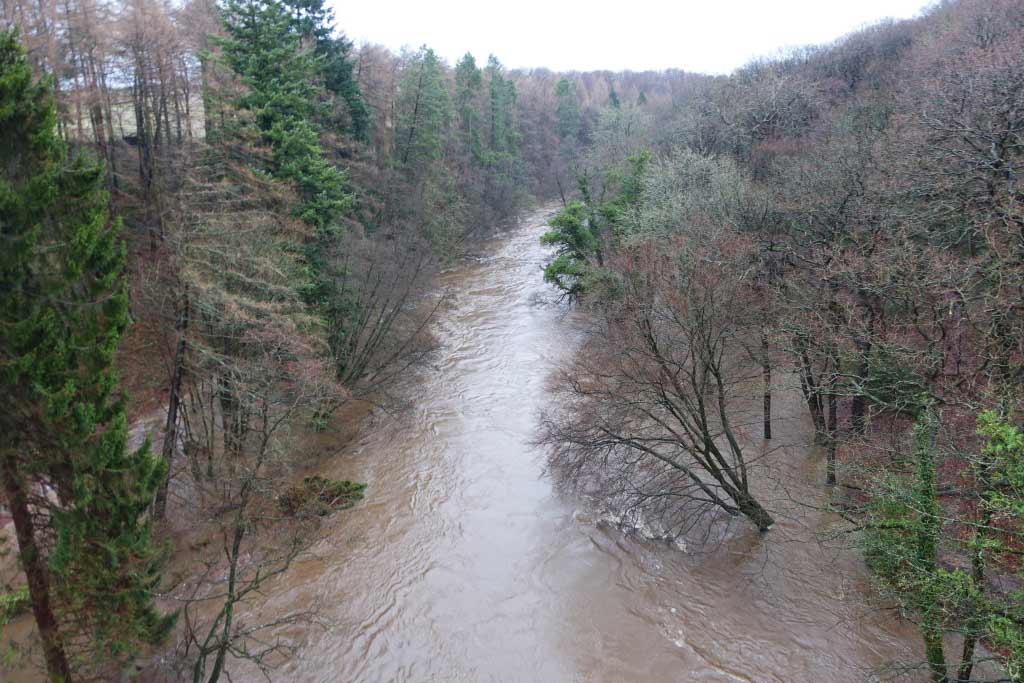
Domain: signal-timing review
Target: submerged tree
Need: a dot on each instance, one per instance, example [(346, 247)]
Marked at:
[(77, 493), (647, 412)]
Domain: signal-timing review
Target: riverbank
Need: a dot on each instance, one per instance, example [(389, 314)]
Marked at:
[(466, 561)]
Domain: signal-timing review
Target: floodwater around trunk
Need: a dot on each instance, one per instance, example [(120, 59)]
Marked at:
[(465, 562)]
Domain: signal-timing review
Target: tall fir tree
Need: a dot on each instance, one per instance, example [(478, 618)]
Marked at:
[(567, 111), (468, 87), (267, 47), (265, 50), (424, 113), (77, 493), (334, 64), (502, 160)]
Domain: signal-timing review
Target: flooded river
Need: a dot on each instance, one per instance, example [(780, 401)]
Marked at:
[(466, 563)]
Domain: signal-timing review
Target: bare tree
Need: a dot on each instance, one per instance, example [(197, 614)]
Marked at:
[(647, 413)]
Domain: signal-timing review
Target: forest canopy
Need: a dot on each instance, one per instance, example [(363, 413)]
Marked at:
[(224, 229)]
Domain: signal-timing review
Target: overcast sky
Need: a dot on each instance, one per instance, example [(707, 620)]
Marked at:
[(709, 36)]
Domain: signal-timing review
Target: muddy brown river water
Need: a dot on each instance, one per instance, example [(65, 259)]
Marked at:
[(466, 563)]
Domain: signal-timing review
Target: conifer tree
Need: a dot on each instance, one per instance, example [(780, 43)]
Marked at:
[(77, 493), (567, 111), (264, 48), (468, 85), (424, 112), (503, 163), (311, 19)]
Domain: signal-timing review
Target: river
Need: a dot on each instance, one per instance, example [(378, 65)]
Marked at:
[(465, 562)]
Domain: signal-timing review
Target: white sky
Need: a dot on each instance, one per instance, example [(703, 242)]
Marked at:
[(709, 36)]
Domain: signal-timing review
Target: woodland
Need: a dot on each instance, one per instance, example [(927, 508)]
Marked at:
[(223, 225)]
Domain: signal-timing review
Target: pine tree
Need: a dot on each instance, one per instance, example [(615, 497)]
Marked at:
[(77, 493), (613, 98), (567, 111), (468, 85), (312, 20), (424, 113), (502, 160), (265, 46), (265, 50)]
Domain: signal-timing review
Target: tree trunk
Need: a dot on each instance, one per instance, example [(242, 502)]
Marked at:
[(967, 659), (978, 578), (928, 529), (811, 391), (753, 511), (174, 401), (766, 371), (858, 408), (833, 436), (34, 564), (933, 648)]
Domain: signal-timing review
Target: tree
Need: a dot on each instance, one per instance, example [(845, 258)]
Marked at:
[(568, 127), (312, 20), (77, 493), (468, 88), (421, 185), (502, 161), (573, 235), (909, 548), (424, 112), (648, 408), (584, 232), (257, 372), (263, 48)]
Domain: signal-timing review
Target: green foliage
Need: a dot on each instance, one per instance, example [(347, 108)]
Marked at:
[(321, 496), (424, 112), (501, 158), (62, 313), (267, 46), (568, 121), (904, 534), (13, 603), (1002, 460), (468, 89), (1001, 468), (892, 380), (902, 545), (567, 110), (264, 47), (334, 65), (613, 99), (572, 233), (502, 92), (581, 229)]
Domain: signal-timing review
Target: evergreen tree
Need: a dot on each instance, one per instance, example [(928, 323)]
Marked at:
[(567, 111), (613, 98), (264, 49), (424, 112), (502, 93), (568, 126), (502, 159), (468, 87), (264, 46), (312, 20), (89, 558)]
